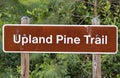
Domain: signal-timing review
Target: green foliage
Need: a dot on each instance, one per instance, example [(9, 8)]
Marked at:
[(53, 12), (59, 12), (110, 13), (49, 70), (111, 65), (10, 72), (62, 66)]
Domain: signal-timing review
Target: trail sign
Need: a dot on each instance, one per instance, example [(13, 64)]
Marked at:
[(92, 39)]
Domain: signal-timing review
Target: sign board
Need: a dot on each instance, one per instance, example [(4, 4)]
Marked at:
[(91, 39)]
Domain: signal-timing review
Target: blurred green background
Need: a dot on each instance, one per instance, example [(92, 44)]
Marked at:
[(73, 12)]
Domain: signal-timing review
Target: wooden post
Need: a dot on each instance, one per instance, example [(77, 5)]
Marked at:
[(96, 58), (25, 56)]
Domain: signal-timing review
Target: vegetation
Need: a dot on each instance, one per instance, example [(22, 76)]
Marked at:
[(59, 12)]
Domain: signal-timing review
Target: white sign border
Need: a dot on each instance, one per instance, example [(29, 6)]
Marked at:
[(63, 52)]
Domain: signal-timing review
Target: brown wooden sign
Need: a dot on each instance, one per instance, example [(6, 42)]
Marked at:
[(92, 39)]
